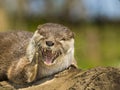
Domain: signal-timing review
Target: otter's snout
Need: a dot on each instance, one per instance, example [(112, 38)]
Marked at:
[(49, 43)]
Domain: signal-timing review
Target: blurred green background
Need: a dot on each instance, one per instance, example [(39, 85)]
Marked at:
[(96, 24)]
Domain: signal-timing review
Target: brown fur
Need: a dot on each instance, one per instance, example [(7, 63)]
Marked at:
[(12, 47), (21, 58)]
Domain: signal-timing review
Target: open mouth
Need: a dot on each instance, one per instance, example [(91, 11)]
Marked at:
[(49, 56)]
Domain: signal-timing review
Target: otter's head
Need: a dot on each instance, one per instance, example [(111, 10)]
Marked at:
[(52, 42)]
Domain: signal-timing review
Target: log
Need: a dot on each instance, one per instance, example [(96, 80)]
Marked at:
[(99, 78)]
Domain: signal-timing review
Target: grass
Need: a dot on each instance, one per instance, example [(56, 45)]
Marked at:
[(97, 46)]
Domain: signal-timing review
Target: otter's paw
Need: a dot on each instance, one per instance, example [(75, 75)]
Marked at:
[(32, 69), (31, 73)]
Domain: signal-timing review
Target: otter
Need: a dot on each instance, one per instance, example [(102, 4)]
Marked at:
[(26, 57)]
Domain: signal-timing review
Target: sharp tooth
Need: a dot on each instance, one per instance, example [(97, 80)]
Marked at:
[(44, 50), (52, 51)]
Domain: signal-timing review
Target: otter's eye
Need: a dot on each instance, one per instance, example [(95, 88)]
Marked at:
[(43, 34), (38, 44), (43, 38), (63, 39)]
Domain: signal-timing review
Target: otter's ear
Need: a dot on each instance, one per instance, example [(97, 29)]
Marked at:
[(39, 28), (71, 34)]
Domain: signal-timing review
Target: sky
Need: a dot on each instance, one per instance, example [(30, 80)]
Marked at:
[(109, 8), (94, 8)]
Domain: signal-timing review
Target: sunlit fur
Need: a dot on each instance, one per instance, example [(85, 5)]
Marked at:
[(26, 57), (63, 40)]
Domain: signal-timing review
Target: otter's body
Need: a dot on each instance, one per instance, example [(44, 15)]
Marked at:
[(12, 48), (26, 57)]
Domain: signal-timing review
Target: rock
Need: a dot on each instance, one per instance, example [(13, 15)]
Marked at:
[(100, 78)]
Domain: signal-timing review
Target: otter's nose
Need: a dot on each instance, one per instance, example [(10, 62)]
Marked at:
[(49, 43)]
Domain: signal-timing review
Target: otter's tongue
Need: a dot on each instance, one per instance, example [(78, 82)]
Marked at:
[(48, 60)]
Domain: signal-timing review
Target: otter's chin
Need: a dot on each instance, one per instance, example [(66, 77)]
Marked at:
[(49, 56)]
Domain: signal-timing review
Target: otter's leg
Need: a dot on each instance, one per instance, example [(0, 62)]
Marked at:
[(23, 71)]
